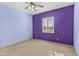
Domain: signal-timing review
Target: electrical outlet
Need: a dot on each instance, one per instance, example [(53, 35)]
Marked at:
[(57, 38), (36, 36)]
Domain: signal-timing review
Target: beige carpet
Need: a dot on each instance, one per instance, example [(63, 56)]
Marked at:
[(36, 47)]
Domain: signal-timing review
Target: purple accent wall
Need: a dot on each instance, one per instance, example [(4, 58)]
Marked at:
[(63, 25)]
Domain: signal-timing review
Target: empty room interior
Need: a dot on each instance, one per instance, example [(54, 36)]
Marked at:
[(39, 29)]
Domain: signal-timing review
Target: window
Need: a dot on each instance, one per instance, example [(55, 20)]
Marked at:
[(48, 25)]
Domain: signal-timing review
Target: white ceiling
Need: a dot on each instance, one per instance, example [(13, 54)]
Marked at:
[(47, 6)]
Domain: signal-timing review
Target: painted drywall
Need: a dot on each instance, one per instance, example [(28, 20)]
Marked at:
[(63, 19), (76, 27), (15, 26)]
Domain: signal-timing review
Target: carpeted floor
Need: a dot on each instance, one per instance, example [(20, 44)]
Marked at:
[(36, 47)]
